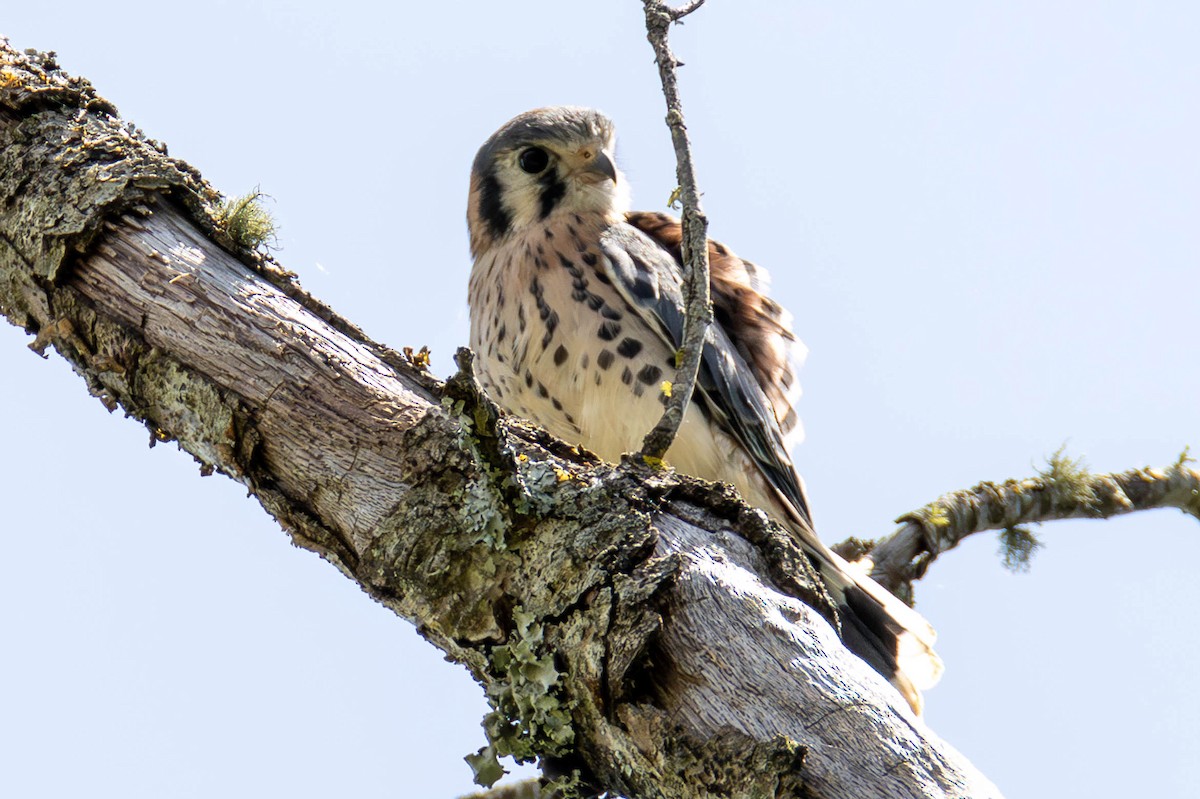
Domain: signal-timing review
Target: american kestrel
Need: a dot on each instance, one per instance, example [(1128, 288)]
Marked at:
[(576, 316)]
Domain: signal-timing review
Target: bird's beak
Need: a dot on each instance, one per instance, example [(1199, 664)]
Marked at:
[(597, 165)]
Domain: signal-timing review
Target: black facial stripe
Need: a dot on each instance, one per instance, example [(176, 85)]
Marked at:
[(552, 192), (490, 207)]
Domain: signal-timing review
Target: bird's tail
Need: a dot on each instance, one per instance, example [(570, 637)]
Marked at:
[(890, 636)]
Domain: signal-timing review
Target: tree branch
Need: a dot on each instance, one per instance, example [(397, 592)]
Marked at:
[(631, 623), (1064, 490), (698, 304)]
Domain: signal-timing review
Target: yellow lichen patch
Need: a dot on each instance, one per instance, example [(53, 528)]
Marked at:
[(418, 358), (1185, 458), (936, 515), (666, 388)]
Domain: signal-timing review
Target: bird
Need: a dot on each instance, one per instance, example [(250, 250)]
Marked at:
[(576, 316)]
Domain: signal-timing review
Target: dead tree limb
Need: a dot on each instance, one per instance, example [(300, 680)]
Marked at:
[(1064, 490), (641, 625)]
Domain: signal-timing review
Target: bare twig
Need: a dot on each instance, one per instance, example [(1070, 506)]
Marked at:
[(698, 305), (1062, 491)]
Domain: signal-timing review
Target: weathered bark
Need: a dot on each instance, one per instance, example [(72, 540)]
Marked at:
[(643, 623)]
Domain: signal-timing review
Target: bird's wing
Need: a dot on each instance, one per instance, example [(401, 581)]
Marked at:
[(649, 277), (742, 352), (759, 328)]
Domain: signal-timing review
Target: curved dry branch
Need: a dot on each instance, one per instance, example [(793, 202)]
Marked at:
[(1064, 490), (698, 312)]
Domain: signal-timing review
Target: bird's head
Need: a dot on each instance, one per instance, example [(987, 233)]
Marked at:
[(543, 162)]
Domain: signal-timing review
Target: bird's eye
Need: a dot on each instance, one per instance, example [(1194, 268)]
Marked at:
[(533, 160)]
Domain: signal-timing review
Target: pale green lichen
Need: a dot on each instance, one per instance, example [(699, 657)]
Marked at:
[(1068, 480), (485, 766), (530, 718), (568, 786), (481, 502), (1017, 545), (537, 481), (246, 221), (480, 515), (1185, 458), (1070, 485)]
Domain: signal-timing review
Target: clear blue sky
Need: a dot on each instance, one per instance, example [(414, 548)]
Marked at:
[(983, 215)]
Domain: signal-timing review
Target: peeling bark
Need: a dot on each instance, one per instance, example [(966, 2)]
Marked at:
[(639, 623)]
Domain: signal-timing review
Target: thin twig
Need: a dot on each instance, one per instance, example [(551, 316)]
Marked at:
[(698, 305), (1063, 491)]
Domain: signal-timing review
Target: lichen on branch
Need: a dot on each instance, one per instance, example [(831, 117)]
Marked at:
[(1064, 489)]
